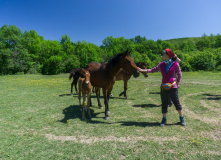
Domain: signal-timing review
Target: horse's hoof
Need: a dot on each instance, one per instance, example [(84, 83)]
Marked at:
[(108, 112), (100, 107), (126, 97), (111, 95), (107, 117)]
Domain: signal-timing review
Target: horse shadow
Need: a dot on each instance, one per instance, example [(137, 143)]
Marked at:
[(73, 112), (146, 105), (212, 97), (62, 95), (154, 92)]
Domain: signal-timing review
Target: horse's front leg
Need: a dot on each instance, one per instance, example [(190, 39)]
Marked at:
[(106, 103), (108, 97)]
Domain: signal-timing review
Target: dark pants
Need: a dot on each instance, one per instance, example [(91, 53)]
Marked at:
[(166, 95)]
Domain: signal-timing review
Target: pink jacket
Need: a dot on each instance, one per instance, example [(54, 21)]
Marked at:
[(174, 74)]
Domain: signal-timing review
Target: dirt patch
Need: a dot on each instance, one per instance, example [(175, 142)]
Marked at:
[(215, 134), (215, 121), (203, 102), (88, 140), (214, 152)]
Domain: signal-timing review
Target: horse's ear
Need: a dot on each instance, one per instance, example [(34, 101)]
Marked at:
[(127, 52), (82, 71)]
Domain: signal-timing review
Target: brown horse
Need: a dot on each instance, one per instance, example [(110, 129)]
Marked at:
[(84, 87), (75, 73), (125, 76), (103, 76)]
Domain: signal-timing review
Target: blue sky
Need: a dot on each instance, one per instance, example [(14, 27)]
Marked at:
[(94, 20)]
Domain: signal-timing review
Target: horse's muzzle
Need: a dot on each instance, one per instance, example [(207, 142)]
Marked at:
[(136, 73), (146, 75), (87, 82)]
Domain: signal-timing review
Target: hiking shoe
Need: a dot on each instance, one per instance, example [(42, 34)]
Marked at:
[(163, 122), (182, 121)]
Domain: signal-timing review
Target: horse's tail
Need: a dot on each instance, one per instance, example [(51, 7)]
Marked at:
[(71, 75)]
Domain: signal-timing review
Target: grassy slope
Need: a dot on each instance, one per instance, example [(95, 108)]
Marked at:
[(39, 119)]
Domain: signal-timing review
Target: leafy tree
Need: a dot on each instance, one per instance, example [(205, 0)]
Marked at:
[(10, 36), (139, 39), (68, 46), (217, 41), (203, 61), (188, 46), (52, 65)]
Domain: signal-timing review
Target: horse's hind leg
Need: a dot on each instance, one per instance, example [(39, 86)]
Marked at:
[(79, 98), (98, 98), (72, 87), (125, 90), (75, 84), (121, 93), (88, 104), (84, 105)]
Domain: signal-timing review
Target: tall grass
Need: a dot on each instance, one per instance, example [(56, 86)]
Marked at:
[(39, 119)]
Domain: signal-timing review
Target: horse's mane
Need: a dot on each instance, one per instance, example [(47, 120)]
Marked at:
[(115, 59)]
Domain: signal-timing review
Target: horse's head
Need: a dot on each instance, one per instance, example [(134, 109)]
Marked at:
[(85, 74), (143, 65), (128, 64)]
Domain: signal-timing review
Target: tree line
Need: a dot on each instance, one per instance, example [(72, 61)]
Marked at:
[(28, 52)]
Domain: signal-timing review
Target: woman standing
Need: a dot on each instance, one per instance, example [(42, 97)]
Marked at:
[(171, 76)]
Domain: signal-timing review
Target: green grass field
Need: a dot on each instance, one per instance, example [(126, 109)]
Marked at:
[(39, 119)]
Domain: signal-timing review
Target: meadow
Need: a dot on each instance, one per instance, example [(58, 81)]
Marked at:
[(39, 119)]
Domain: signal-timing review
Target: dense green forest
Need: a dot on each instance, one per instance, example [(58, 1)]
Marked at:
[(28, 52)]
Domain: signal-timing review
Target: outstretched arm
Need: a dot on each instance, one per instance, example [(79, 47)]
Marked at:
[(141, 70)]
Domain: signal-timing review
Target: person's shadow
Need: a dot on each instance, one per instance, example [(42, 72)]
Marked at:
[(212, 97), (146, 105)]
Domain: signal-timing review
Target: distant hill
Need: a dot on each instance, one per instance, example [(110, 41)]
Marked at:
[(185, 39)]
